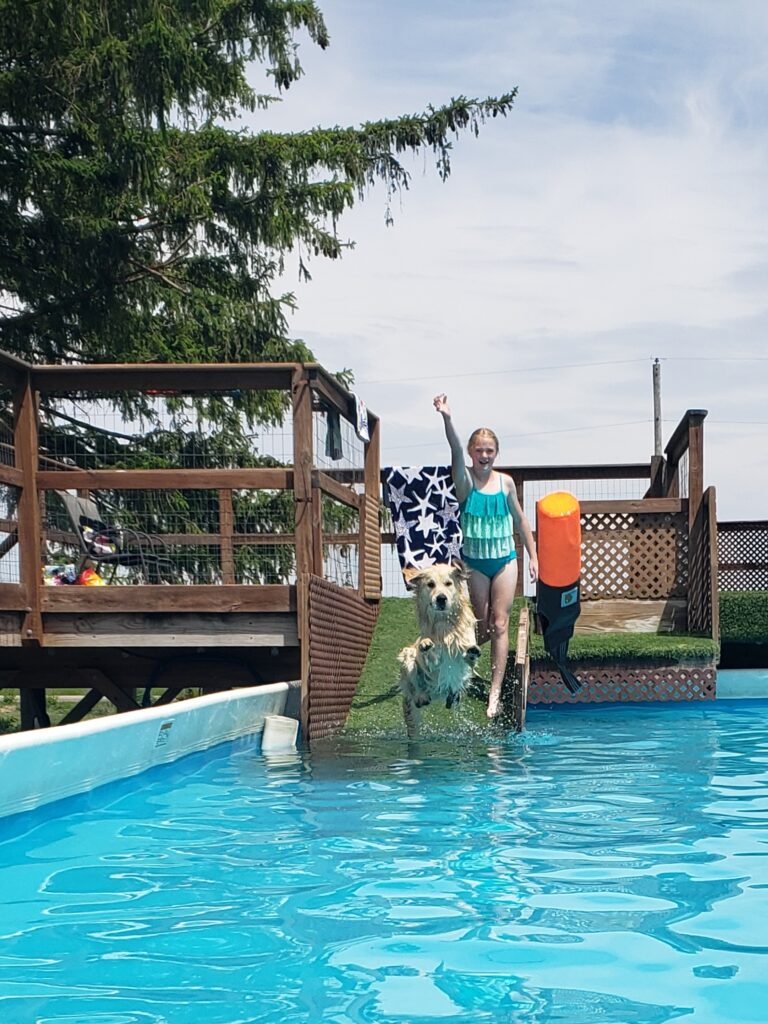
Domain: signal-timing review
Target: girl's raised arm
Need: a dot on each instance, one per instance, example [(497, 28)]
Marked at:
[(461, 480)]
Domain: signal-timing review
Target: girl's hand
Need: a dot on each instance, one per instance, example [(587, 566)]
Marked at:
[(440, 402), (533, 568)]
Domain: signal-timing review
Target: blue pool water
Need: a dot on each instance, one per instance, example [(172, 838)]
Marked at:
[(611, 865)]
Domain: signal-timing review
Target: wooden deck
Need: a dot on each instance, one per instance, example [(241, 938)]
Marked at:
[(254, 601), (628, 616), (231, 604)]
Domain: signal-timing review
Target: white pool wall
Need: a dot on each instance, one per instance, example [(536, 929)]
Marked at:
[(43, 765)]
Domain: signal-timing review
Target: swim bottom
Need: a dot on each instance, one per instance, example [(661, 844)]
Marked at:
[(490, 566)]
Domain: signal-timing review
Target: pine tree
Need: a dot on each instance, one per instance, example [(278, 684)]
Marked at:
[(135, 223)]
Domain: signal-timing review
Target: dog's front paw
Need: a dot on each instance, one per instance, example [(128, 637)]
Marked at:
[(422, 699), (426, 645), (472, 655)]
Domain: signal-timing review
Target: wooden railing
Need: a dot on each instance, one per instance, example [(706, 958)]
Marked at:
[(28, 476)]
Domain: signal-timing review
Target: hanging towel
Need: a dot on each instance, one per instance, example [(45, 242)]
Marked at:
[(361, 419), (333, 447), (425, 514)]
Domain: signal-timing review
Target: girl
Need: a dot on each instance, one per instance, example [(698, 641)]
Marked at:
[(489, 510)]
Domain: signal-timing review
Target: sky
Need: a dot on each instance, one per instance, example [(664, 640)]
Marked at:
[(618, 214)]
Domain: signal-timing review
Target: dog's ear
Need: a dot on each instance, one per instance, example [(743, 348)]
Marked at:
[(459, 571), (410, 574)]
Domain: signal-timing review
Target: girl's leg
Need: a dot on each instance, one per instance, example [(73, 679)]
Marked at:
[(480, 597), (503, 586)]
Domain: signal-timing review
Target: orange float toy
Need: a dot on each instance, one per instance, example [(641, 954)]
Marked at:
[(558, 544)]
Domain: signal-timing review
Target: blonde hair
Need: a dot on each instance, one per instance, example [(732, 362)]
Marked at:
[(482, 432)]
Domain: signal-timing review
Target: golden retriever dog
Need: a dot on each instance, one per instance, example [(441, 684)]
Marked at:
[(440, 663)]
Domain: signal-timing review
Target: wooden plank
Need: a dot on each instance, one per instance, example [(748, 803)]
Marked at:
[(695, 469), (678, 443), (10, 625), (29, 518), (158, 630), (521, 671), (13, 597), (87, 703), (331, 389), (625, 615), (165, 479), (340, 492), (584, 471), (302, 475), (710, 502), (12, 369), (268, 597), (532, 474), (169, 377), (11, 476), (226, 523), (635, 505), (369, 561), (306, 667)]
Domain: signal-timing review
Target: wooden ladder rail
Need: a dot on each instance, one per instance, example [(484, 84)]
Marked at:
[(522, 671)]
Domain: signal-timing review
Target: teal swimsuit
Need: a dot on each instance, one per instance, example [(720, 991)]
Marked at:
[(486, 524)]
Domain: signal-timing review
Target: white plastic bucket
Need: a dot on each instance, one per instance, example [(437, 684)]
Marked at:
[(279, 733)]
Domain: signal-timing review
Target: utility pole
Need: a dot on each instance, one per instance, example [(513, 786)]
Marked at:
[(656, 407)]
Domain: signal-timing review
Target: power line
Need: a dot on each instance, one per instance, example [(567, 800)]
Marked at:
[(498, 373), (532, 433), (575, 366)]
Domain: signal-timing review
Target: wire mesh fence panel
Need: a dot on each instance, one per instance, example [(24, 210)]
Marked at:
[(9, 549), (263, 536), (7, 451), (341, 551), (137, 430), (194, 536), (589, 489), (335, 443)]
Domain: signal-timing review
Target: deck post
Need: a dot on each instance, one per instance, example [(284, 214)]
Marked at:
[(519, 483), (305, 497), (29, 518), (302, 472), (698, 535), (226, 531), (369, 567)]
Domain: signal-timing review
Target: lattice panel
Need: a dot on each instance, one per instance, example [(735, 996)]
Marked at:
[(743, 555), (341, 625), (605, 683), (633, 555)]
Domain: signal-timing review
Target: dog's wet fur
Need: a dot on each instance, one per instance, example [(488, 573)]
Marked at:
[(440, 663)]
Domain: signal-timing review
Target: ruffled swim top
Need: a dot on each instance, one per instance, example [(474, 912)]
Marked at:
[(487, 526)]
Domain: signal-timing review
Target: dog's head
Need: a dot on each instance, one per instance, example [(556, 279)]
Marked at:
[(439, 588)]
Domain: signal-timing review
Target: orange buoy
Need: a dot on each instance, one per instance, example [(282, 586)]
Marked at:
[(558, 539), (558, 545)]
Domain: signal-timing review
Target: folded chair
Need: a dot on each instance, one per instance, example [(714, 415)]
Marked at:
[(115, 546)]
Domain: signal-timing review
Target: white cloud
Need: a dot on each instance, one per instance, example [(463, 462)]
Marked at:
[(619, 213)]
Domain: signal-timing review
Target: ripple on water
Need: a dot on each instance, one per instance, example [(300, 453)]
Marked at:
[(608, 865)]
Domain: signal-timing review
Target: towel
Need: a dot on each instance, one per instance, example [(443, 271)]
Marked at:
[(425, 515), (361, 419)]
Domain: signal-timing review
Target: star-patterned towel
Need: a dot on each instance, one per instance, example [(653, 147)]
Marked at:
[(425, 514)]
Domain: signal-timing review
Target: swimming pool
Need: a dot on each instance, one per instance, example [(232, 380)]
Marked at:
[(611, 864)]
